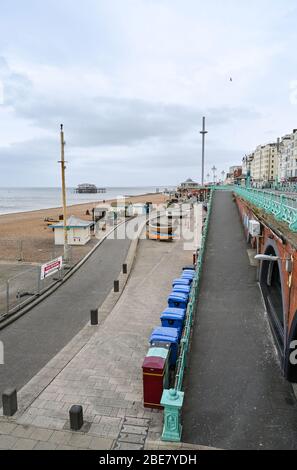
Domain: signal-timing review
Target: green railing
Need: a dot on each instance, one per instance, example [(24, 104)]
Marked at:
[(281, 206), (172, 400)]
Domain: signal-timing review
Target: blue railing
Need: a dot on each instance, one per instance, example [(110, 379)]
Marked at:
[(172, 400)]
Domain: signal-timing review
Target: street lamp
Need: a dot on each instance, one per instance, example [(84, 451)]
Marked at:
[(266, 258), (203, 133), (214, 169), (63, 168), (271, 258)]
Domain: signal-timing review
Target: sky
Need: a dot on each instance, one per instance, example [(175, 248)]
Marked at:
[(131, 80)]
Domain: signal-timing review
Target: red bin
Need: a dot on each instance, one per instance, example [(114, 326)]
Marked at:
[(155, 379)]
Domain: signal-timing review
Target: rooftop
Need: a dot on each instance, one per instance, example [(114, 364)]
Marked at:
[(73, 222)]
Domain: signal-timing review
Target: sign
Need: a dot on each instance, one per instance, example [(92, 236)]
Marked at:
[(51, 267)]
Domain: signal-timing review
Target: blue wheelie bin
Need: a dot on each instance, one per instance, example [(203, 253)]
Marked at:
[(162, 335), (189, 268), (182, 289), (188, 275), (189, 272), (173, 318), (177, 300), (181, 281)]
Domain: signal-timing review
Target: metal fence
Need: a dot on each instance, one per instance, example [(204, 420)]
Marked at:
[(18, 290), (20, 280), (172, 400), (281, 206), (27, 250)]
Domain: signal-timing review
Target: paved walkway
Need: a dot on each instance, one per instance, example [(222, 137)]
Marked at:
[(101, 369), (236, 397), (35, 338)]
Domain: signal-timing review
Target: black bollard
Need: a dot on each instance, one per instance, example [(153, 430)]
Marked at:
[(116, 286), (94, 317), (125, 269), (9, 402), (76, 417)]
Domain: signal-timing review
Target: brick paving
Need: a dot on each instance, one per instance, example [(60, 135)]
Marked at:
[(100, 369)]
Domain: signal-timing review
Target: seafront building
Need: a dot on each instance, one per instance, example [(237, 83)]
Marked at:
[(264, 166), (285, 169), (273, 163)]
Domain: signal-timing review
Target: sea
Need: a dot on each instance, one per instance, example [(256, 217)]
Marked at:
[(14, 200)]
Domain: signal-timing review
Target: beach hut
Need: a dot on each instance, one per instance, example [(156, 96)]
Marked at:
[(139, 209), (79, 231), (122, 209)]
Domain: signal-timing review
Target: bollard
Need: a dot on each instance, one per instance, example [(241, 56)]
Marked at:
[(94, 317), (116, 286), (125, 269), (76, 417), (194, 258), (9, 402)]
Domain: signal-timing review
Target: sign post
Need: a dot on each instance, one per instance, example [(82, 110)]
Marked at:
[(51, 268)]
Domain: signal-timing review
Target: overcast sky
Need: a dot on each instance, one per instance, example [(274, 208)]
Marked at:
[(131, 80)]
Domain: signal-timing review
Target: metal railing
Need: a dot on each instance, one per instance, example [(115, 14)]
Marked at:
[(172, 400), (281, 206)]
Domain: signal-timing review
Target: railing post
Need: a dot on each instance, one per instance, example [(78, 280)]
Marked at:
[(172, 400), (279, 215), (7, 296)]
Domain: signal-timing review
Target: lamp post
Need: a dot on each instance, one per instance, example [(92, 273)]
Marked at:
[(203, 133), (214, 169), (63, 168)]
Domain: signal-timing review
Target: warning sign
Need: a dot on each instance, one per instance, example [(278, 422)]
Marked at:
[(51, 267)]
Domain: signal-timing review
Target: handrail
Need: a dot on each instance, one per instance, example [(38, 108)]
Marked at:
[(281, 206), (172, 400)]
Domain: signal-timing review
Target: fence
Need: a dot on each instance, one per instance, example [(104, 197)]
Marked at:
[(27, 250), (281, 206), (20, 283), (172, 400), (17, 290)]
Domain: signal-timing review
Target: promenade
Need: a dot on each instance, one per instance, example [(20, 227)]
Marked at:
[(236, 397), (40, 334), (100, 369)]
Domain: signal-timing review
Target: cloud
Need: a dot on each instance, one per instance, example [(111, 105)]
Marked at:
[(131, 81)]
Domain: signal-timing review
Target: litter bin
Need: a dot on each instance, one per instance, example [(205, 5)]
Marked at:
[(181, 281), (189, 268), (182, 289), (155, 376), (173, 318), (189, 276), (189, 272), (177, 300), (166, 335)]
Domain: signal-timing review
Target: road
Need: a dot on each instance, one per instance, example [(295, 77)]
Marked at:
[(32, 340), (236, 396)]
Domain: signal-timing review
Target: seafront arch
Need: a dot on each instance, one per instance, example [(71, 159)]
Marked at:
[(272, 286), (290, 368)]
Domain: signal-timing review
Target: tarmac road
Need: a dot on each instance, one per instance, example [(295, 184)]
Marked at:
[(236, 396), (35, 338)]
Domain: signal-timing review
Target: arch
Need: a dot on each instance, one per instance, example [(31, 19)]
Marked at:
[(290, 368), (272, 284)]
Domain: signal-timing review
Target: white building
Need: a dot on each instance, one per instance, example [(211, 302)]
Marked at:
[(285, 156), (292, 156), (264, 166), (78, 233), (189, 184)]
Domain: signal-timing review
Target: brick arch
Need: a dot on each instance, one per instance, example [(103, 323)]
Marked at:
[(290, 369), (274, 297)]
